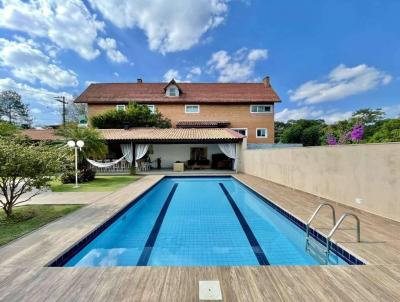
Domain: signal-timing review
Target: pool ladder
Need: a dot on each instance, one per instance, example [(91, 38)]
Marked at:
[(333, 230)]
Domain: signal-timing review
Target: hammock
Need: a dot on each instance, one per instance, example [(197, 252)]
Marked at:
[(104, 165)]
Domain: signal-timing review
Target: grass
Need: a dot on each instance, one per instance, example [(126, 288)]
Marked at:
[(28, 218), (100, 184)]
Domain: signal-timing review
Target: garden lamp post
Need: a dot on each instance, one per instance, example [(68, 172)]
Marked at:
[(78, 144)]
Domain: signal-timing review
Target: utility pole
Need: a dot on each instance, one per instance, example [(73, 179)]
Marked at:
[(61, 99)]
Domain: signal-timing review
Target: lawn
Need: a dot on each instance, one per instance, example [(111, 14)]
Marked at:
[(30, 217), (100, 184)]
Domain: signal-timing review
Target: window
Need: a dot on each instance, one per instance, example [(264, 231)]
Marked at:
[(152, 108), (120, 107), (261, 132), (172, 91), (242, 131), (192, 108), (260, 108)]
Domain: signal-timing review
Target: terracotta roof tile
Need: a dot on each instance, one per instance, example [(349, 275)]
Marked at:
[(150, 134), (202, 124), (171, 134), (191, 93), (41, 134)]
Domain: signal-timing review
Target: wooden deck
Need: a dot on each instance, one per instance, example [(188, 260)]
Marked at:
[(23, 276)]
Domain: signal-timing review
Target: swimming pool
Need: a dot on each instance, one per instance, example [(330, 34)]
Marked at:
[(199, 221)]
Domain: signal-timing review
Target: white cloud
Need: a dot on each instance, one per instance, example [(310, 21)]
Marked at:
[(87, 83), (68, 24), (169, 26), (195, 71), (33, 95), (298, 113), (238, 67), (116, 74), (341, 82), (36, 111), (172, 74), (175, 74), (29, 63), (110, 47), (330, 117)]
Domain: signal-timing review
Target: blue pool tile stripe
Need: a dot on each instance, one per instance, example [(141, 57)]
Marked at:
[(145, 256), (258, 251)]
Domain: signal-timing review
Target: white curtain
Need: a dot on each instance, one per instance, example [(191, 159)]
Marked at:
[(141, 150), (104, 165), (127, 152), (230, 151)]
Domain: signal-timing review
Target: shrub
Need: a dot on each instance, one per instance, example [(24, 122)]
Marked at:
[(84, 175), (25, 167)]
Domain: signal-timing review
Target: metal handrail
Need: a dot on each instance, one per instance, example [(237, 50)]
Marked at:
[(328, 238), (315, 214)]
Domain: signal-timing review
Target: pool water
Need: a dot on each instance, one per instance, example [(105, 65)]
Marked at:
[(189, 221)]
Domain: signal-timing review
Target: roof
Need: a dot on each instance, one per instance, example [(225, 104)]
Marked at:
[(202, 124), (153, 93), (173, 135), (41, 134)]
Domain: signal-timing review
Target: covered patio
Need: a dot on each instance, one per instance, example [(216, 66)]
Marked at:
[(161, 151)]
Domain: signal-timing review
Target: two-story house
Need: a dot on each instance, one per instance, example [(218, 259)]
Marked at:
[(247, 108), (210, 122)]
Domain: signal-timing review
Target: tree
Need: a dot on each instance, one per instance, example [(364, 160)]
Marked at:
[(75, 112), (367, 116), (135, 115), (296, 132), (95, 145), (12, 108), (279, 128), (311, 136), (7, 129), (388, 131), (25, 169)]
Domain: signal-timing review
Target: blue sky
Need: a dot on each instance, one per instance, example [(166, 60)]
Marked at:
[(326, 58)]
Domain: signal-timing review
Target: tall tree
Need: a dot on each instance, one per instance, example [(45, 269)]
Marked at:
[(367, 116), (13, 109), (75, 113)]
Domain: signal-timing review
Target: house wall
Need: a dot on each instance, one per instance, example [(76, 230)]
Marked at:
[(237, 114), (171, 153), (366, 177)]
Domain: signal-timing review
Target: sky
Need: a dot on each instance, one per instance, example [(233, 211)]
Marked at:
[(326, 58)]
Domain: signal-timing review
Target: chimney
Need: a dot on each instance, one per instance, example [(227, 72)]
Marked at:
[(266, 82), (139, 81)]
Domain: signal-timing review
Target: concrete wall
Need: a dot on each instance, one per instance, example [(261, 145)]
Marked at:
[(362, 176)]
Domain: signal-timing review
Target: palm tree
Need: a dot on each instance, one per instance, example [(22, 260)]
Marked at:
[(95, 146)]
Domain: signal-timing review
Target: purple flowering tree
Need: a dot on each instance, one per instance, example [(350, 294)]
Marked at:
[(331, 139), (357, 133)]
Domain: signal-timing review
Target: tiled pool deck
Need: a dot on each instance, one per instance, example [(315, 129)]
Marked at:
[(24, 277)]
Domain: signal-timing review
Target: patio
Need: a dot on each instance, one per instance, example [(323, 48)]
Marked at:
[(155, 150)]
